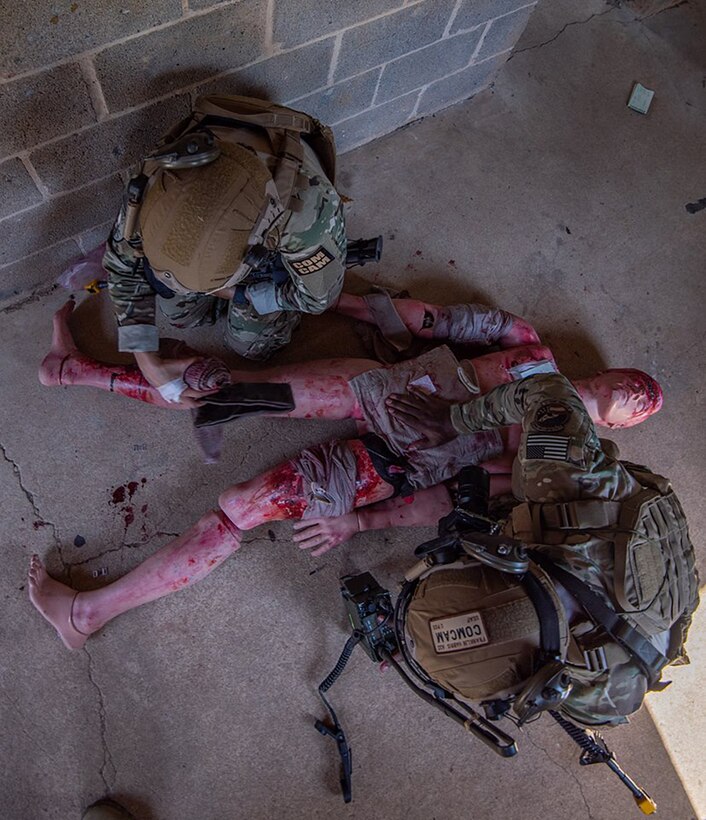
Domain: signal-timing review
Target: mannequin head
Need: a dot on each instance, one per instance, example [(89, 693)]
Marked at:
[(620, 397)]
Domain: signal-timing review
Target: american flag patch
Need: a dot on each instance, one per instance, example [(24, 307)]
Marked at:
[(542, 445)]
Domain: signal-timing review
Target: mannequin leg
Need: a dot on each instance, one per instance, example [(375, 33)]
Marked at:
[(178, 564), (320, 388)]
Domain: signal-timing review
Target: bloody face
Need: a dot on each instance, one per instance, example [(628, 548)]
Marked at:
[(624, 397)]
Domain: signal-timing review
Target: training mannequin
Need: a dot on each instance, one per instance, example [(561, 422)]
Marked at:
[(299, 488)]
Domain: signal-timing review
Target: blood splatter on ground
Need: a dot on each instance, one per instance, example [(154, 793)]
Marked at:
[(121, 496)]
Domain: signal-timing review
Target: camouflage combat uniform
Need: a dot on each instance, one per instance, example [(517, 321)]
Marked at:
[(563, 466), (312, 250)]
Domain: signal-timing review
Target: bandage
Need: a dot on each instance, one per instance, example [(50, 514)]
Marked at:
[(329, 473), (171, 391)]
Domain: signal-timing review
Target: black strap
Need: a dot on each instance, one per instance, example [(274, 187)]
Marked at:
[(242, 399), (337, 732), (383, 459), (549, 636), (650, 661)]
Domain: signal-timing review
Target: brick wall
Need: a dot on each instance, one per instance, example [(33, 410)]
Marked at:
[(87, 88)]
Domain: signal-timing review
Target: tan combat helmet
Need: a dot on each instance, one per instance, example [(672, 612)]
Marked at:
[(209, 204), (476, 632), (197, 223)]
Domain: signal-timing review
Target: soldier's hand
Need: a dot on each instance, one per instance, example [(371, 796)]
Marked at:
[(325, 533), (431, 415)]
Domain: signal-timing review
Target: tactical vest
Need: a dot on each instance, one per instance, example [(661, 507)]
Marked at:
[(636, 553)]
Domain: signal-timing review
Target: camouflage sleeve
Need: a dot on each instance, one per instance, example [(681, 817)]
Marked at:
[(560, 457), (132, 296), (313, 250)]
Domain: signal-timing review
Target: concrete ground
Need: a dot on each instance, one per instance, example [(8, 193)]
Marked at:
[(545, 195)]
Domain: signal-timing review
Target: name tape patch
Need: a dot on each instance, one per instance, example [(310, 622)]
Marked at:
[(314, 263), (459, 632)]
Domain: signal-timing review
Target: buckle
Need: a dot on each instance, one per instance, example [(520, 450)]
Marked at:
[(595, 659)]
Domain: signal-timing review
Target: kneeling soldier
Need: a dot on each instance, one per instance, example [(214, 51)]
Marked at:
[(236, 212)]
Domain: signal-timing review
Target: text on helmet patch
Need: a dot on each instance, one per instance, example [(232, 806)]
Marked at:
[(314, 263), (458, 632)]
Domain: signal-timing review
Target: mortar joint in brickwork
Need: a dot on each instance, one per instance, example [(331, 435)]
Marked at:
[(95, 90), (334, 57), (32, 171), (270, 28), (450, 23), (92, 52), (377, 87), (481, 40)]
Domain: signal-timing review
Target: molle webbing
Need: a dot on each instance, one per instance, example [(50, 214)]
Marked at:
[(531, 520), (284, 126)]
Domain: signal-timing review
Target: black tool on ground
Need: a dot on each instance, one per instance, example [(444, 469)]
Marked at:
[(369, 610), (595, 750), (243, 399), (373, 619), (362, 251), (234, 402)]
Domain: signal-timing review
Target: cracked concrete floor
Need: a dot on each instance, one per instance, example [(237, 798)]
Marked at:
[(545, 195)]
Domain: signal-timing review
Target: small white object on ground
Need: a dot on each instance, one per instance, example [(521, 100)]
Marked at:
[(640, 99)]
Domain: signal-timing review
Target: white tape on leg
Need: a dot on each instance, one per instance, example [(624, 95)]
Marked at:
[(171, 391)]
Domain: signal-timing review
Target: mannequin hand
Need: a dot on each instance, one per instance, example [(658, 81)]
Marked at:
[(325, 533)]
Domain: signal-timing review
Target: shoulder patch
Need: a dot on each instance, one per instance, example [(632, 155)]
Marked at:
[(314, 263), (552, 415), (553, 448)]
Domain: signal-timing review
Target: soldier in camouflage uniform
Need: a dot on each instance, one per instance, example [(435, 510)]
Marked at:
[(614, 525), (255, 231)]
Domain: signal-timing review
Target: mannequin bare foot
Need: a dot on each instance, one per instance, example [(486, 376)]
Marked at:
[(62, 345), (54, 601)]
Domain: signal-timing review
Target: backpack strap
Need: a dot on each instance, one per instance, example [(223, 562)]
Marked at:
[(650, 661), (284, 127)]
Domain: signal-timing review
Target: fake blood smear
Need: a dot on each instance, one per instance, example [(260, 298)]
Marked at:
[(369, 484), (122, 495), (284, 486), (131, 383)]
